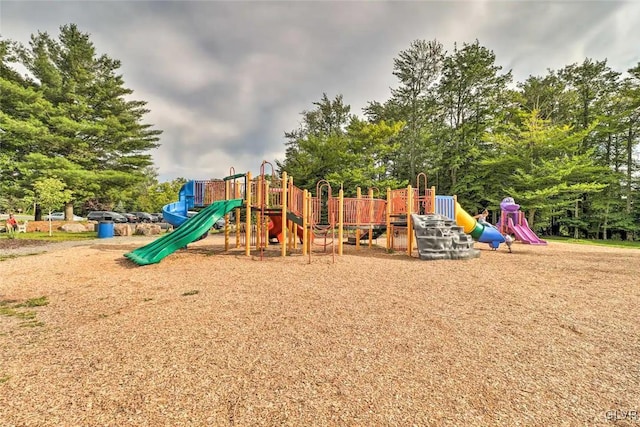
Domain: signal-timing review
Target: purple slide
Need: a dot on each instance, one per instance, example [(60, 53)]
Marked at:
[(524, 233)]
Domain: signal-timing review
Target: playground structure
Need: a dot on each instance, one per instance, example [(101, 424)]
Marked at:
[(513, 221), (269, 207)]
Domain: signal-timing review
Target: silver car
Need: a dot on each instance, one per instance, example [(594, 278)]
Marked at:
[(59, 216)]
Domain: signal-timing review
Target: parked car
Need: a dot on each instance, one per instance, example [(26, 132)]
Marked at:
[(131, 217), (59, 216), (145, 217), (219, 224), (158, 216), (106, 216)]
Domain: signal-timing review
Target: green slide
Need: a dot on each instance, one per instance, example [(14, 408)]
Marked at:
[(190, 231)]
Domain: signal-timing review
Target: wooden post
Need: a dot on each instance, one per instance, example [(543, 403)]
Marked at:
[(388, 232), (371, 208), (340, 220), (227, 188), (409, 225), (260, 205), (294, 226), (305, 224), (358, 219), (247, 234), (310, 236), (433, 200), (283, 244), (267, 204)]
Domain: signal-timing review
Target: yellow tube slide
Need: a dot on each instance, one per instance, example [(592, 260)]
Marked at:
[(463, 219)]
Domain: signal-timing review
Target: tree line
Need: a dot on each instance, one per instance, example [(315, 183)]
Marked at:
[(563, 144)]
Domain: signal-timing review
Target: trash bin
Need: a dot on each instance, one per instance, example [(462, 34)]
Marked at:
[(105, 229)]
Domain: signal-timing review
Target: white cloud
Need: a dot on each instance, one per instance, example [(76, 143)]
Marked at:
[(225, 80)]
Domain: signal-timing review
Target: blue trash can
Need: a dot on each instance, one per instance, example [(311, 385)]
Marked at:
[(105, 229)]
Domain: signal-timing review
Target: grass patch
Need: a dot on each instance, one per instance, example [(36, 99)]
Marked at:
[(25, 315), (188, 293), (5, 302), (56, 236), (37, 302), (31, 324), (13, 308), (6, 257), (7, 311), (611, 243)]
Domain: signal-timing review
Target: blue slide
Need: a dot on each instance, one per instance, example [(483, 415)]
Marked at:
[(176, 213)]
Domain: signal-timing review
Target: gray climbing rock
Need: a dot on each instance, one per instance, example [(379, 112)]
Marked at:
[(438, 237)]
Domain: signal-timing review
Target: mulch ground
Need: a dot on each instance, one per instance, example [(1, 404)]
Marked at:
[(546, 336), (9, 244)]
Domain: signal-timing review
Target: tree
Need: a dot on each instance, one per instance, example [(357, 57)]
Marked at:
[(313, 150), (417, 69), (549, 96), (591, 81), (472, 98), (51, 193), (542, 166), (366, 160), (153, 196), (631, 127), (72, 105)]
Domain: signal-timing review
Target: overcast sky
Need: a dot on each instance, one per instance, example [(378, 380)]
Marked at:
[(225, 80)]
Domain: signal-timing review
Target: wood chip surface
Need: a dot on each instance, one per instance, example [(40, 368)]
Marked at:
[(546, 336)]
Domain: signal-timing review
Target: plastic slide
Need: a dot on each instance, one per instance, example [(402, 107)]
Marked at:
[(191, 230), (524, 233), (275, 231), (516, 223), (176, 213), (482, 232)]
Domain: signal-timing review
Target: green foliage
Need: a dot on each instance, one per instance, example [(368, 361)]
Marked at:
[(542, 166), (56, 236), (13, 308), (562, 144), (367, 159), (70, 117), (50, 193), (314, 150), (417, 70), (35, 302), (342, 149), (472, 99)]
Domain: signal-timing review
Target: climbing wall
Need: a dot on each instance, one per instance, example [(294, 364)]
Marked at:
[(438, 237)]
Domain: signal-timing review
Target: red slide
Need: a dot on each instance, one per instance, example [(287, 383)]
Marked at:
[(275, 228)]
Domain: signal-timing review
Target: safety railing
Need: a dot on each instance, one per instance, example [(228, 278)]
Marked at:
[(364, 211), (296, 201)]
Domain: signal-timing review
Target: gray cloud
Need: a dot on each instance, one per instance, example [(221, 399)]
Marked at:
[(225, 80)]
